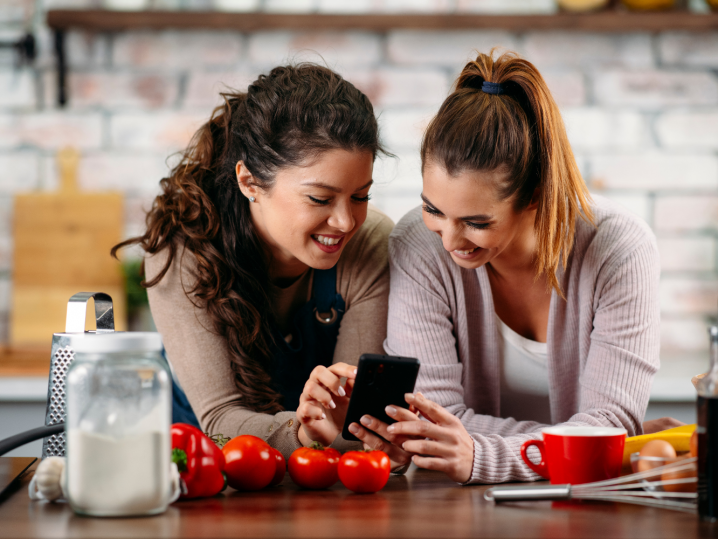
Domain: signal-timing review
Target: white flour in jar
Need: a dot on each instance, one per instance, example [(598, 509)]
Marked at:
[(117, 477)]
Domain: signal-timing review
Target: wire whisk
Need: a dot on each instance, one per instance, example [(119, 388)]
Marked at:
[(650, 488)]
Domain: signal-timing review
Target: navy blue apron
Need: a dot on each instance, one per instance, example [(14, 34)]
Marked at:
[(315, 327)]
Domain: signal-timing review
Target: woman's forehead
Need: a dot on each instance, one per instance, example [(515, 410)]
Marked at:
[(466, 193)]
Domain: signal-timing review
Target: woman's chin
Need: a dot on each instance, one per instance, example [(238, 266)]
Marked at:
[(469, 262)]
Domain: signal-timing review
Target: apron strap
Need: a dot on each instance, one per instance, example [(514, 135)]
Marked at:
[(324, 289)]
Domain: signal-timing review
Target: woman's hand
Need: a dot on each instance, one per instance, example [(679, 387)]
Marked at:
[(323, 403), (657, 425), (385, 441), (444, 445)]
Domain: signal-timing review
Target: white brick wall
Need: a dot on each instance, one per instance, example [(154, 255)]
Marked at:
[(641, 111), (600, 129), (336, 50), (50, 130), (689, 48), (653, 89), (176, 50), (688, 129), (162, 131), (655, 171), (443, 48)]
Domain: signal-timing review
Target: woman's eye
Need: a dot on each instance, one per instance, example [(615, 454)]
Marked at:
[(323, 202), (432, 211), (478, 226), (362, 199)]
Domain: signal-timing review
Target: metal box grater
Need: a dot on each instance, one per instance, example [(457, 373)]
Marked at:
[(62, 355)]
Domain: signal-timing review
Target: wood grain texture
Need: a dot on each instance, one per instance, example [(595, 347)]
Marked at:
[(607, 21), (62, 245), (38, 311), (421, 504), (66, 239)]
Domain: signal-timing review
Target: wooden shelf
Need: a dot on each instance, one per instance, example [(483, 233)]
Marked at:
[(606, 21)]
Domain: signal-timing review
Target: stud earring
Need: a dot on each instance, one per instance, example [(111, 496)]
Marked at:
[(252, 199)]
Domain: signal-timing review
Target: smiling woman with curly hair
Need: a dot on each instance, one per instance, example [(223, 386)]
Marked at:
[(266, 267)]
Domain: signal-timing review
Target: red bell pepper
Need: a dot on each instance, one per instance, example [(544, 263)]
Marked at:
[(199, 461)]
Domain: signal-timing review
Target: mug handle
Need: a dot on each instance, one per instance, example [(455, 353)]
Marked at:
[(541, 468)]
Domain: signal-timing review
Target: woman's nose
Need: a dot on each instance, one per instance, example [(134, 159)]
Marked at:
[(451, 238), (342, 218)]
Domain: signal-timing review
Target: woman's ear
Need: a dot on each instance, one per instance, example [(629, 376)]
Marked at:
[(533, 205), (245, 180)]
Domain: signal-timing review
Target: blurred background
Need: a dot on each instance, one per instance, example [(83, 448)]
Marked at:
[(82, 148)]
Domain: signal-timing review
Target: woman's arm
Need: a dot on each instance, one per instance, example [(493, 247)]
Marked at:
[(201, 360)]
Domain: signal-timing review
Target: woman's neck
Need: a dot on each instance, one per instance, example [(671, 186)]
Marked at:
[(285, 275), (519, 257)]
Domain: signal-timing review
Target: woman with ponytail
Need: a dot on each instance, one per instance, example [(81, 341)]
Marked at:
[(267, 271), (528, 301)]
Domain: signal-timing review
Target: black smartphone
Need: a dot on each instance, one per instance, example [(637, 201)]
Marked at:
[(381, 381)]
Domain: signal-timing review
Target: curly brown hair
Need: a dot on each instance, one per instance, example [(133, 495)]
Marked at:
[(286, 117)]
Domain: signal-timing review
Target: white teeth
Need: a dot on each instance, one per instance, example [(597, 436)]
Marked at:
[(326, 241), (465, 252)]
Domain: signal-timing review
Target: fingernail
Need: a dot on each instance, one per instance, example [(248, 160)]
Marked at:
[(353, 428), (390, 410), (390, 428), (365, 421), (332, 405), (355, 371), (409, 397), (324, 416), (341, 392)]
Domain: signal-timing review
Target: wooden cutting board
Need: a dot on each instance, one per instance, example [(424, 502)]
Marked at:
[(62, 243)]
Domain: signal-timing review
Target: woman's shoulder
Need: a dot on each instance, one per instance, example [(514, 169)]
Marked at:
[(180, 273), (366, 252), (411, 238), (615, 234), (372, 236)]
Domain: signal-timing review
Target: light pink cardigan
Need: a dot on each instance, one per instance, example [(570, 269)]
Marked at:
[(603, 340)]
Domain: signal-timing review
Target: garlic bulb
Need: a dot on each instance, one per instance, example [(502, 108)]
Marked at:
[(47, 482)]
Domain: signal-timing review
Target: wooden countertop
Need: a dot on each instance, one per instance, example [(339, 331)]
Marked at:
[(420, 504)]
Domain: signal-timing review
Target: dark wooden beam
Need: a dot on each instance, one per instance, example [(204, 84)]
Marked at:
[(607, 21)]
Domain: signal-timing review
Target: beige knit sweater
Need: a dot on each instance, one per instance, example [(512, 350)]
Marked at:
[(200, 358), (603, 340)]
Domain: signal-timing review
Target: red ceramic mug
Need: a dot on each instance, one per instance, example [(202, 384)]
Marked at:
[(578, 454)]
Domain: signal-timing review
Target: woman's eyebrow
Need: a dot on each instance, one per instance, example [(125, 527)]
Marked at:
[(479, 217), (335, 189)]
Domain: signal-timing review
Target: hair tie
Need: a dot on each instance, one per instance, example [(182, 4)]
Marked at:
[(495, 88)]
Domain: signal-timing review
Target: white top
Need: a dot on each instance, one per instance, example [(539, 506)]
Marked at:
[(524, 376)]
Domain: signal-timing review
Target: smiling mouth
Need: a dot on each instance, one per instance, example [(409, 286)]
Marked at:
[(325, 240), (465, 252)]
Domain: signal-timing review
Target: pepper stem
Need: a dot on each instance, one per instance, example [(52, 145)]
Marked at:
[(179, 457)]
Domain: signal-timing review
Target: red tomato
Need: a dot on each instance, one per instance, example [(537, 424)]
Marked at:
[(281, 468), (250, 464), (315, 466), (364, 471)]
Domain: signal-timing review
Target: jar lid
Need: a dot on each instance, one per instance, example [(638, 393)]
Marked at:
[(131, 341)]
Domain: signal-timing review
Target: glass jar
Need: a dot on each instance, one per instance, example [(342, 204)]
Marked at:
[(118, 426)]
